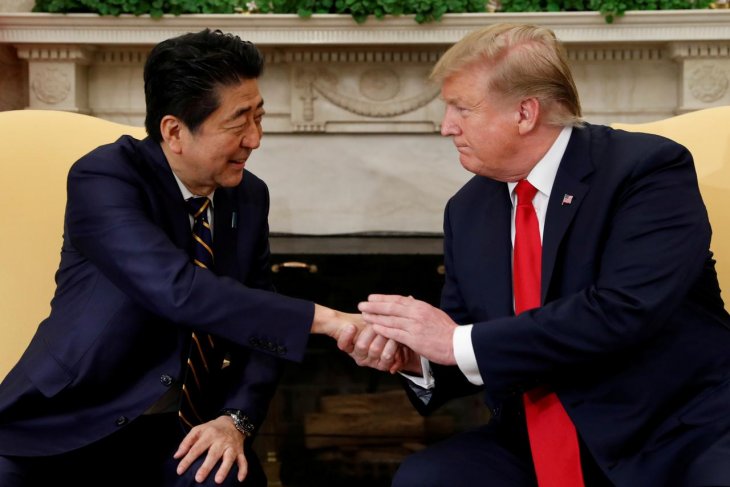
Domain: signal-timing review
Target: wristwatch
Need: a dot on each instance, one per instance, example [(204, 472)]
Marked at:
[(240, 421)]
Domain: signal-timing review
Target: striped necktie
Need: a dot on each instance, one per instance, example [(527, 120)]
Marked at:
[(202, 358), (553, 439)]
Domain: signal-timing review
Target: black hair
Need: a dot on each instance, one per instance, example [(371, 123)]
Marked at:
[(182, 76)]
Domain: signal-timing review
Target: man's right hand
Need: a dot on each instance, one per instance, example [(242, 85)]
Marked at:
[(358, 339)]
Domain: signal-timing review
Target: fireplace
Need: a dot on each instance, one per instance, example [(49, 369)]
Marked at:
[(333, 423)]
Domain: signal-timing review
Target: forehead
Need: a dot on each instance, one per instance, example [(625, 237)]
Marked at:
[(237, 99), (466, 84)]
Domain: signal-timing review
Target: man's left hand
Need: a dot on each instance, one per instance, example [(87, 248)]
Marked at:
[(222, 442), (426, 330)]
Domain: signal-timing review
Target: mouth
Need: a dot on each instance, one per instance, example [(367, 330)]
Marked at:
[(238, 162)]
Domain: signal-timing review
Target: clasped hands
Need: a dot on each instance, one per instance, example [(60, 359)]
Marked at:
[(394, 332)]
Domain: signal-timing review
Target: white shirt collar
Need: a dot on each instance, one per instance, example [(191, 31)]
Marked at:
[(543, 174), (187, 194)]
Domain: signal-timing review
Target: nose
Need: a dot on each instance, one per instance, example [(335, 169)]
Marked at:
[(449, 126), (252, 137)]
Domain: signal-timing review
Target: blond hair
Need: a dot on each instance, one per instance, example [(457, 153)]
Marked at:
[(523, 61)]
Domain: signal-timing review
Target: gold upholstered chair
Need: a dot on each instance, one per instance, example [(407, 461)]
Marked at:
[(706, 133), (37, 147)]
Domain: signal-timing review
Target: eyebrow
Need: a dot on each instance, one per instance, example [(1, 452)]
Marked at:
[(242, 111)]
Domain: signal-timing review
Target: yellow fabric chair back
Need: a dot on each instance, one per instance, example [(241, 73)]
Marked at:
[(36, 152), (706, 133)]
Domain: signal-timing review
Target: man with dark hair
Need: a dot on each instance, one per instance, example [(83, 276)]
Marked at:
[(580, 294), (103, 395)]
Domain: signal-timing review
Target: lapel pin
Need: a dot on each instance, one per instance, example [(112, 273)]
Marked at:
[(567, 199)]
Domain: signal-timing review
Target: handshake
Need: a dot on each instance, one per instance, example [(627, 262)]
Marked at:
[(392, 333)]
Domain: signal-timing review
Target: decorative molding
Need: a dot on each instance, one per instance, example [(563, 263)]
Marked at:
[(51, 85), (615, 53), (708, 82), (121, 56), (331, 29), (680, 50), (56, 53)]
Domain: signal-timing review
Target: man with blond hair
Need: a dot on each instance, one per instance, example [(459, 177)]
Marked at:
[(580, 296)]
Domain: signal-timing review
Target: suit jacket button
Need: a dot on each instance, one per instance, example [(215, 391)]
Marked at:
[(281, 350), (121, 421), (254, 341), (166, 380)]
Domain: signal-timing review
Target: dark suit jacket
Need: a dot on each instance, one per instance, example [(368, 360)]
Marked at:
[(632, 334), (128, 297)]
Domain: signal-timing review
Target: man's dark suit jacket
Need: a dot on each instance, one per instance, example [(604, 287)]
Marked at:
[(632, 334), (128, 296)]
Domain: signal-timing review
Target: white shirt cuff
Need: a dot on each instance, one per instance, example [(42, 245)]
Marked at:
[(426, 381), (464, 354)]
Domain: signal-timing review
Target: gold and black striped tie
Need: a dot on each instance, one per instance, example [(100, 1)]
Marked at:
[(202, 358)]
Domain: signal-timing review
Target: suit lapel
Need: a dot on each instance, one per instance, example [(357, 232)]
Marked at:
[(225, 228), (566, 197), (176, 219), (491, 229)]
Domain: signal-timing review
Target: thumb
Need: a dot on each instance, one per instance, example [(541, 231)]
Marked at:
[(346, 339)]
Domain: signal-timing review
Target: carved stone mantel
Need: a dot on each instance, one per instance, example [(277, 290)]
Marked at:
[(352, 101)]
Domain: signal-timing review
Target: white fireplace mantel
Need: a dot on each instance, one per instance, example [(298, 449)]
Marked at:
[(352, 122), (330, 29)]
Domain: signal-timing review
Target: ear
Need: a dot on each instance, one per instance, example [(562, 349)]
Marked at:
[(529, 114), (171, 129)]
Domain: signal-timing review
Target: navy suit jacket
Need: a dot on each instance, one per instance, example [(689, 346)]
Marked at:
[(632, 333), (128, 297)]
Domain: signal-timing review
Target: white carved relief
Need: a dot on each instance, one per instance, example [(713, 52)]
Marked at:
[(376, 86), (51, 85), (375, 91), (615, 54), (379, 84), (708, 83), (705, 68)]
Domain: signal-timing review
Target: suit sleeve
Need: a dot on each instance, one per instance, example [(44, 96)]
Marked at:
[(251, 379), (449, 381), (108, 221)]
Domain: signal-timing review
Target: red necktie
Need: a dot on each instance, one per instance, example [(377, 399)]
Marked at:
[(553, 439)]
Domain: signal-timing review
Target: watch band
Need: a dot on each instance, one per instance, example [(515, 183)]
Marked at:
[(240, 421)]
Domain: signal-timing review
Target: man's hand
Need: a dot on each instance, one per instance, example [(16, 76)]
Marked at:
[(372, 350), (350, 331), (222, 441), (330, 322), (426, 330)]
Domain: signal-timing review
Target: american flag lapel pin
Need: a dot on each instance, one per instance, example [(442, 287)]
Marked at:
[(567, 199)]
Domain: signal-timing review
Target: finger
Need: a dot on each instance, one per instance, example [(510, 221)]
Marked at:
[(389, 351), (227, 461), (345, 341), (368, 308), (397, 322), (389, 298), (362, 344), (377, 345), (388, 355), (207, 467), (396, 334), (189, 451), (186, 444), (242, 467)]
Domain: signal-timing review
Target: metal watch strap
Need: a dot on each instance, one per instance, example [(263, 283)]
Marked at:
[(240, 421)]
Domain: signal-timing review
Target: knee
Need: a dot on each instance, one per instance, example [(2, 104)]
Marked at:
[(418, 470)]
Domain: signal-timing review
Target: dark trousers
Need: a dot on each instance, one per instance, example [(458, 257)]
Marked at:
[(138, 455), (494, 455)]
